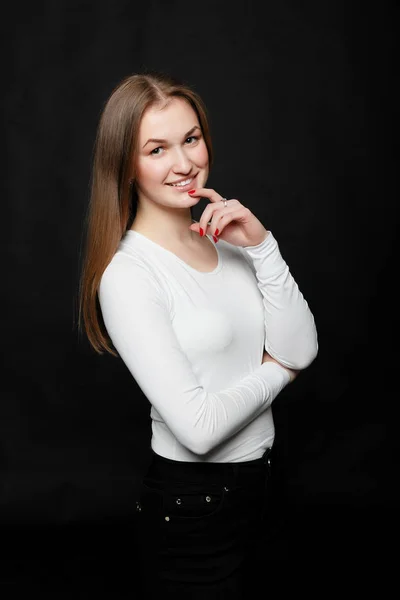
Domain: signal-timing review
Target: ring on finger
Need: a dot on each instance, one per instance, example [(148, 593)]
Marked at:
[(225, 201)]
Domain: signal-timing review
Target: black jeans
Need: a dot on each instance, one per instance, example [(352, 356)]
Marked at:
[(201, 528)]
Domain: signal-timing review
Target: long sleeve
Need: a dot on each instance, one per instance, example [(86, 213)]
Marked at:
[(137, 318), (290, 332)]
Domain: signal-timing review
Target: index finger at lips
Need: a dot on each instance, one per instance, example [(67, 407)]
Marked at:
[(208, 193), (213, 196)]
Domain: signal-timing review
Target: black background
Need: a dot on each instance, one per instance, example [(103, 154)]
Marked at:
[(301, 97)]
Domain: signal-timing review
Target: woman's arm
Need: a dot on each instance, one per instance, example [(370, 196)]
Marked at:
[(268, 358), (290, 332), (137, 319)]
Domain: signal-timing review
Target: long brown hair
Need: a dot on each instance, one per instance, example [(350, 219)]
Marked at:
[(113, 199)]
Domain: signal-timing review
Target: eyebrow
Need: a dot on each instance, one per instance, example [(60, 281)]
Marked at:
[(157, 141)]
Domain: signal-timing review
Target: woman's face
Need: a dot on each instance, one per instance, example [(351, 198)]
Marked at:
[(171, 151)]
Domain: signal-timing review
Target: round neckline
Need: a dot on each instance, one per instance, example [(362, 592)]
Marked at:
[(182, 262)]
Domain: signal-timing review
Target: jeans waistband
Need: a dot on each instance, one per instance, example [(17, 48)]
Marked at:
[(173, 470)]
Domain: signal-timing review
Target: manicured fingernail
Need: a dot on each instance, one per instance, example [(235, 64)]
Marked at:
[(216, 231), (191, 191), (215, 239), (201, 231)]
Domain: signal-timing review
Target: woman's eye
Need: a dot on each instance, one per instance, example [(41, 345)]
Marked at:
[(155, 151), (190, 140)]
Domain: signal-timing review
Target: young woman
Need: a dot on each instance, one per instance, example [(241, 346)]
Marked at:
[(210, 323)]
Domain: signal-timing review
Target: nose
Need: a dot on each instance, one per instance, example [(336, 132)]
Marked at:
[(181, 162)]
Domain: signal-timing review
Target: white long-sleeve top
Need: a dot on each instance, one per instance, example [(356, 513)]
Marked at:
[(194, 341)]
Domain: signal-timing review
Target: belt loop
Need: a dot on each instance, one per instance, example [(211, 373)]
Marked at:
[(235, 473), (266, 456)]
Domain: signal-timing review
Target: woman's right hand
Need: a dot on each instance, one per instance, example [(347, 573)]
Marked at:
[(268, 358)]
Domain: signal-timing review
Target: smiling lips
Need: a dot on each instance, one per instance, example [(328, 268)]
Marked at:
[(183, 185)]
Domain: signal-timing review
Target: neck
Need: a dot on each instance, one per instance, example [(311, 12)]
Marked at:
[(165, 226)]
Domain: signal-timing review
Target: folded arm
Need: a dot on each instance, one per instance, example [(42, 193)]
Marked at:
[(290, 332)]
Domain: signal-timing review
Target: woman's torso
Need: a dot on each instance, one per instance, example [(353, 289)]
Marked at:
[(217, 315)]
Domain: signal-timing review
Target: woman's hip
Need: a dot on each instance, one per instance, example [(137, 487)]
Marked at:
[(198, 522)]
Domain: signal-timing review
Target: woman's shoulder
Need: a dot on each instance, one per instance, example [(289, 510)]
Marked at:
[(130, 264)]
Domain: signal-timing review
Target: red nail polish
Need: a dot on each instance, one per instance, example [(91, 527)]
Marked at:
[(216, 231), (215, 239), (191, 191), (201, 231)]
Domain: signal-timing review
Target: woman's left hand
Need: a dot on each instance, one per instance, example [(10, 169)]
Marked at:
[(234, 223)]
